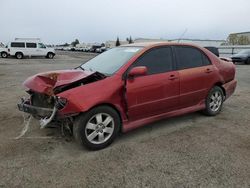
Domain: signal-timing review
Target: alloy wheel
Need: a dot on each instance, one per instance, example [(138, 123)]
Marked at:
[(99, 128), (215, 101)]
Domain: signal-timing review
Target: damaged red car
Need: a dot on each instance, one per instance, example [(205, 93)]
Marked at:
[(130, 86)]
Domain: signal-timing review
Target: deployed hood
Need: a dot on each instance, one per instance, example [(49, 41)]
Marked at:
[(48, 81)]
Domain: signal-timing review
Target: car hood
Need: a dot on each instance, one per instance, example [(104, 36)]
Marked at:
[(46, 82)]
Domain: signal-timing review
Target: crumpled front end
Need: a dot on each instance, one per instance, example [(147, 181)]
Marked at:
[(43, 107), (45, 102)]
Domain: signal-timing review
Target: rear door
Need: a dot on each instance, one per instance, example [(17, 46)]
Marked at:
[(158, 91), (197, 75)]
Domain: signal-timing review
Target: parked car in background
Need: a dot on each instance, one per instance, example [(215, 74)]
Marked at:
[(129, 86), (213, 49), (95, 48), (20, 48), (243, 56), (4, 52)]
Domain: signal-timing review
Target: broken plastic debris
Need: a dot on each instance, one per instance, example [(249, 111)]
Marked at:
[(26, 123)]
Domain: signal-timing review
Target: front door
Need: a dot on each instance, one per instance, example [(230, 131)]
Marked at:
[(158, 91)]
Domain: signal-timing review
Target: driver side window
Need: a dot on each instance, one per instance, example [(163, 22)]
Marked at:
[(41, 45), (157, 60)]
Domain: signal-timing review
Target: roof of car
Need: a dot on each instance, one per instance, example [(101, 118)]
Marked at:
[(153, 44)]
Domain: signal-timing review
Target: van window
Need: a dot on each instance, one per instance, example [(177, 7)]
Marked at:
[(17, 44), (30, 45), (41, 45)]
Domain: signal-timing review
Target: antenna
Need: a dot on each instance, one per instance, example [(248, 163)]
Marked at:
[(182, 35)]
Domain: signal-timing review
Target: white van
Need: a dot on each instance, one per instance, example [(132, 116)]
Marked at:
[(21, 48)]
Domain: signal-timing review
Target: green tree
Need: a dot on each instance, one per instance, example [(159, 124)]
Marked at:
[(130, 41), (232, 39), (117, 42), (65, 44), (74, 43)]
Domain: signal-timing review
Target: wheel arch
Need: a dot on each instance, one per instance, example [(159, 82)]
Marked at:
[(220, 84), (19, 52), (51, 53)]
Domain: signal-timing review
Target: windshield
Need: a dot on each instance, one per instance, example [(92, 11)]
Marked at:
[(245, 52), (109, 62)]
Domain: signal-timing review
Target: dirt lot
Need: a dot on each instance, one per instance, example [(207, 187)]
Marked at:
[(187, 151)]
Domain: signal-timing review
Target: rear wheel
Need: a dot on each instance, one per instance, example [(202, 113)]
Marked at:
[(50, 55), (4, 55), (19, 55), (248, 61), (97, 128), (214, 101)]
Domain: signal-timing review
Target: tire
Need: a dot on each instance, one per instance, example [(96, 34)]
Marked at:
[(97, 128), (214, 101), (4, 55), (50, 55), (248, 61), (19, 55)]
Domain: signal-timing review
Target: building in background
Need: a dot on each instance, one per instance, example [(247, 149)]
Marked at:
[(111, 43), (245, 34), (242, 38)]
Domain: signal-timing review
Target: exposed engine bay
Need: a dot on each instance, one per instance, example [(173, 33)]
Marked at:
[(44, 104)]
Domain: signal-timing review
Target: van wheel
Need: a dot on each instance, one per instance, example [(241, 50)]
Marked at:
[(97, 128), (19, 55), (214, 101), (50, 55), (4, 55), (248, 61)]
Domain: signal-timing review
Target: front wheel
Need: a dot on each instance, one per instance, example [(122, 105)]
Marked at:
[(248, 61), (4, 55), (97, 128), (214, 101)]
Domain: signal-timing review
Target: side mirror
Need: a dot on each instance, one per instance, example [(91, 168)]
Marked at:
[(137, 71)]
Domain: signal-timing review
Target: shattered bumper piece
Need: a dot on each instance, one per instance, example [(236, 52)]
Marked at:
[(26, 107), (46, 114)]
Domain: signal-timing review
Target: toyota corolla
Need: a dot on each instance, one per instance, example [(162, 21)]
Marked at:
[(127, 87)]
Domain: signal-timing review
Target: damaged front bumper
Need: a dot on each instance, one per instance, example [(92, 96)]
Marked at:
[(26, 107), (45, 115)]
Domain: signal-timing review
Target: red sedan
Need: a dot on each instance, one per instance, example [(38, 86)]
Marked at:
[(130, 86)]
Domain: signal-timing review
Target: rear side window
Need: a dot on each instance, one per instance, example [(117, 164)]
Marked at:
[(188, 57), (30, 45), (157, 60), (17, 44)]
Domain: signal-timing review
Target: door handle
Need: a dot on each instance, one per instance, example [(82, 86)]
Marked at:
[(208, 70), (172, 77)]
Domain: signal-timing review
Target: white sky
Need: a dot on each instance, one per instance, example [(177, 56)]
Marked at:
[(60, 21)]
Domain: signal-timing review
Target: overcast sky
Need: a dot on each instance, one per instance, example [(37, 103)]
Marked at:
[(60, 21)]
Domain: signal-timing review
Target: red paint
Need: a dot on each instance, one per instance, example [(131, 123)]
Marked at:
[(148, 98)]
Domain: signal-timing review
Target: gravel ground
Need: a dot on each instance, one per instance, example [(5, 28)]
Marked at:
[(187, 151)]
